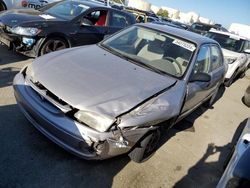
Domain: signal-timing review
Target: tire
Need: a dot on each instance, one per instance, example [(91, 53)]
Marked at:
[(229, 82), (53, 44), (2, 6), (145, 147)]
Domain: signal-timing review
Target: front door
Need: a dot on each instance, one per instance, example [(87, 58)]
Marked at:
[(198, 91), (93, 28)]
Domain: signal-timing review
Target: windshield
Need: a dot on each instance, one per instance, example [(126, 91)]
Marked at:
[(228, 42), (155, 50), (67, 10), (201, 27)]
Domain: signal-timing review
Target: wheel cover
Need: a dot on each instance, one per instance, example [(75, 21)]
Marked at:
[(54, 45)]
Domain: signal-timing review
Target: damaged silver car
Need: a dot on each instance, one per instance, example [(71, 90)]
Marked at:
[(103, 100)]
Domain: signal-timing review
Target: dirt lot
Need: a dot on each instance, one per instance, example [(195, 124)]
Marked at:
[(191, 154)]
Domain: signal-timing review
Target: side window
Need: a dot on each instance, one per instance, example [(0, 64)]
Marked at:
[(247, 45), (119, 20), (202, 63), (216, 58), (97, 18)]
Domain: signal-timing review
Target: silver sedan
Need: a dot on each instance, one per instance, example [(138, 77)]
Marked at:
[(103, 100)]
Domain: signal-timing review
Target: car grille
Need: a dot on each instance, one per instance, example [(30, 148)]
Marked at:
[(44, 93)]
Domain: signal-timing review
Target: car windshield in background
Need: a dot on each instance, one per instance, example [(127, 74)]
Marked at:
[(67, 10), (201, 27), (155, 50), (228, 42)]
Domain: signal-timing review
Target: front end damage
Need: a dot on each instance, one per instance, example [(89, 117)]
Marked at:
[(26, 45), (55, 119)]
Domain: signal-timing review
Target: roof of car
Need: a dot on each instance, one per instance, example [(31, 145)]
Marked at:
[(191, 36), (91, 4), (228, 34)]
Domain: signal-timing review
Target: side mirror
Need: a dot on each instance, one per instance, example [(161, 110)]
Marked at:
[(200, 77), (247, 51)]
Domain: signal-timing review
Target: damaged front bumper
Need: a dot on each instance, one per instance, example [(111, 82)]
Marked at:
[(25, 45), (71, 135)]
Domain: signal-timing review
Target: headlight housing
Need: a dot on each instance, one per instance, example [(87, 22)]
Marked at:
[(26, 31), (93, 120), (230, 60)]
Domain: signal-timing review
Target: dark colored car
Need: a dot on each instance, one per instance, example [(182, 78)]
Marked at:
[(202, 28), (167, 23), (60, 25), (99, 101)]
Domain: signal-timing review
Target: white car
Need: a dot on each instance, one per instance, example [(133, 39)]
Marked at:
[(237, 172), (13, 4), (236, 51)]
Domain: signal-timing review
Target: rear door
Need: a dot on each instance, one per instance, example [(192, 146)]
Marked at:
[(217, 68)]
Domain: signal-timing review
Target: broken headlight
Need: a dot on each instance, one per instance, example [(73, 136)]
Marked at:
[(27, 31), (93, 120)]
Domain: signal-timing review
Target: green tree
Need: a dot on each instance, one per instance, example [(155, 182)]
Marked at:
[(162, 13)]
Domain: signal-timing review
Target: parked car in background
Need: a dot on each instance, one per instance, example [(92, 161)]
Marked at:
[(60, 25), (246, 98), (202, 28), (141, 15), (167, 23), (237, 172), (103, 100), (236, 52), (184, 26), (14, 4)]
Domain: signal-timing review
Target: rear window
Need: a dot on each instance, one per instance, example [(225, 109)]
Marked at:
[(119, 20)]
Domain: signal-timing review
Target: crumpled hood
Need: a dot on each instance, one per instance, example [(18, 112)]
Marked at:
[(19, 17), (92, 79), (229, 53)]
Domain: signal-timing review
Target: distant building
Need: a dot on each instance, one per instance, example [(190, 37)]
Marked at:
[(240, 29), (139, 4), (188, 18)]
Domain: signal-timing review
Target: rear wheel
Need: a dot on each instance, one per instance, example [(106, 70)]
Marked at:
[(53, 44), (2, 6), (145, 147)]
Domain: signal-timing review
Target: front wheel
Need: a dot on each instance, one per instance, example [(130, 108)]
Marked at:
[(53, 44), (145, 147), (2, 6)]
